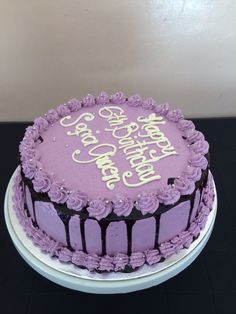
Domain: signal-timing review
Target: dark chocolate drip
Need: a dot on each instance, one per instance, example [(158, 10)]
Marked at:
[(192, 201), (170, 181), (65, 219), (40, 139), (103, 225), (82, 232), (157, 218), (35, 219), (129, 226)]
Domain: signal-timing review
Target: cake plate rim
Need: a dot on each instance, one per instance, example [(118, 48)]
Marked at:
[(106, 286)]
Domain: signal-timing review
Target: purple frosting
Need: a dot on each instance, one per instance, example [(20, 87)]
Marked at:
[(106, 263), (137, 259), (174, 115), (58, 193), (49, 245), (41, 123), (27, 142), (147, 203), (177, 242), (74, 105), (194, 229), (29, 153), (198, 160), (30, 166), (120, 260), (32, 132), (63, 110), (193, 136), (167, 249), (88, 101), (152, 256), (41, 182), (79, 258), (186, 237), (184, 185), (52, 116), (118, 98), (184, 125), (162, 109), (168, 195), (76, 200), (201, 147), (122, 206), (135, 100), (92, 262), (99, 209), (193, 173), (102, 99), (65, 255), (149, 103)]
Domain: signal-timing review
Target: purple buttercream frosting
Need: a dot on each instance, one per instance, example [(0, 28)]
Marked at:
[(65, 255), (168, 195), (28, 153), (120, 260), (193, 136), (106, 263), (58, 193), (122, 206), (162, 109), (118, 98), (174, 115), (88, 101), (102, 99), (186, 237), (149, 103), (79, 258), (41, 182), (32, 132), (152, 256), (201, 147), (184, 185), (52, 116), (99, 209), (167, 249), (92, 262), (63, 110), (193, 173), (135, 100), (27, 142), (137, 259), (194, 229), (76, 200), (74, 105), (30, 166), (41, 123), (198, 160), (147, 203), (177, 242), (184, 125)]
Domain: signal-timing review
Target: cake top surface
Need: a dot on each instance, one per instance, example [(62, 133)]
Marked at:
[(113, 151)]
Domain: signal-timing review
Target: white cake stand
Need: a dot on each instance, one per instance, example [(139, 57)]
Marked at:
[(72, 277)]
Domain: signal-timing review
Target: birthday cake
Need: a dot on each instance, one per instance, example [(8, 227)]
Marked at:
[(110, 183)]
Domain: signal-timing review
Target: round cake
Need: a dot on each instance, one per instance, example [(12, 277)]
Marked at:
[(110, 183)]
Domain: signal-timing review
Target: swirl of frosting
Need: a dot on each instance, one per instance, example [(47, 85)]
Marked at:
[(88, 101), (137, 259), (49, 245), (76, 200), (106, 263), (194, 229), (194, 136), (29, 153), (201, 220), (65, 255), (162, 109), (122, 206), (41, 182), (74, 105), (208, 198), (198, 160), (102, 99), (79, 258), (52, 116), (201, 147), (63, 110), (29, 167), (174, 115), (118, 98), (177, 242), (168, 195), (167, 249), (193, 173), (58, 193), (27, 142), (41, 123), (32, 132), (184, 125), (149, 103), (120, 260), (186, 238), (99, 209), (184, 185), (92, 262), (135, 100), (152, 256), (147, 203)]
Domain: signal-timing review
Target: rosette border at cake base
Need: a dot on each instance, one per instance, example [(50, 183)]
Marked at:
[(75, 278)]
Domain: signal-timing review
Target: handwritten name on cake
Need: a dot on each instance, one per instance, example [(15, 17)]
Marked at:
[(142, 142)]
